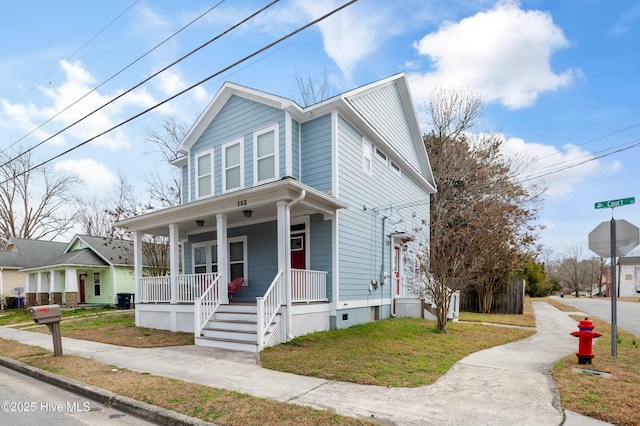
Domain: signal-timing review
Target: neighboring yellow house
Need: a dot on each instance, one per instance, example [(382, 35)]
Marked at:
[(21, 253), (87, 270)]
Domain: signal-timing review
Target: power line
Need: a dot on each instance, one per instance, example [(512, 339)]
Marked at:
[(246, 58), (202, 46), (635, 144), (110, 78), (66, 60)]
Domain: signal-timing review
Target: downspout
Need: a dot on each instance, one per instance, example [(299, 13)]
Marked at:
[(382, 273), (287, 279)]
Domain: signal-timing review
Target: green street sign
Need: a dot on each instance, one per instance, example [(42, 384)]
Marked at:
[(615, 203)]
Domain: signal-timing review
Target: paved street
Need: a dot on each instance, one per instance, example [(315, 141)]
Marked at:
[(27, 401), (628, 312)]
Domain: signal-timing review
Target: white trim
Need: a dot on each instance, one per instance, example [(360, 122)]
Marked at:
[(114, 281), (300, 151), (276, 153), (288, 144), (334, 155), (211, 174), (363, 303), (209, 259), (335, 275), (380, 154), (367, 160), (238, 141), (99, 283)]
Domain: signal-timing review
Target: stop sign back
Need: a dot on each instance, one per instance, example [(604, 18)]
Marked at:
[(627, 238)]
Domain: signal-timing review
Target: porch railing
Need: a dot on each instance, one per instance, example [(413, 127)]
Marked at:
[(155, 289), (206, 304), (308, 286), (191, 287), (268, 306)]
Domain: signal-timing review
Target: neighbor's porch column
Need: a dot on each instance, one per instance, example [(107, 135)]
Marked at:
[(42, 295), (137, 267), (174, 261), (284, 258), (30, 290), (56, 287), (223, 257), (70, 288)]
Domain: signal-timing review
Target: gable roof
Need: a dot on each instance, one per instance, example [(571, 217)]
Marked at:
[(112, 251), (29, 253), (348, 104)]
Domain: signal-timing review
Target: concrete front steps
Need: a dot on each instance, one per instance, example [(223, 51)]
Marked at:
[(234, 327)]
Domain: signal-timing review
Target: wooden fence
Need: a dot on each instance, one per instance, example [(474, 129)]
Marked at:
[(508, 300)]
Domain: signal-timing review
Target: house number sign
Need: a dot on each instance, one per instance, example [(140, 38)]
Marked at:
[(242, 203)]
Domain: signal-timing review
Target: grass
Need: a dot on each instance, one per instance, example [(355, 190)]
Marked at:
[(119, 329), (527, 319), (395, 352), (614, 399), (105, 325), (213, 405)]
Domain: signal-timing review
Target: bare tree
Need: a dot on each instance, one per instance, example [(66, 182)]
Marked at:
[(164, 186), (313, 88), (481, 217), (576, 273), (34, 202)]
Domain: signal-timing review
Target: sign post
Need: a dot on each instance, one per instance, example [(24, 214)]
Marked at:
[(630, 240)]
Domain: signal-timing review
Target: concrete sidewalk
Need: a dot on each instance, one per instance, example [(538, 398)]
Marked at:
[(504, 385)]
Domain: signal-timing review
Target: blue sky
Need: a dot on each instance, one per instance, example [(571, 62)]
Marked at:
[(559, 79)]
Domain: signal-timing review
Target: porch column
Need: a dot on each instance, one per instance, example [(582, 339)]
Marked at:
[(30, 290), (284, 258), (174, 261), (70, 288), (42, 296), (56, 287), (137, 266), (223, 257)]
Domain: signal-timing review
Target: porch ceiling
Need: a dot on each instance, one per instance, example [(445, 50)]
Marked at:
[(261, 200)]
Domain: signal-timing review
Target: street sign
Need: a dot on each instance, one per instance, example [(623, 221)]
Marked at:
[(627, 238), (615, 203)]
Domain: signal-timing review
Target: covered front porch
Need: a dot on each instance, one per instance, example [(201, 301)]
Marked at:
[(277, 239)]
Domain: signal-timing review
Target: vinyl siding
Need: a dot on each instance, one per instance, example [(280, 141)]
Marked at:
[(321, 248), (361, 236), (316, 153), (238, 118), (384, 110), (11, 279)]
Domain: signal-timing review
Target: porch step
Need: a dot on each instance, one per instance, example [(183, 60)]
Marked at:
[(234, 327), (234, 345)]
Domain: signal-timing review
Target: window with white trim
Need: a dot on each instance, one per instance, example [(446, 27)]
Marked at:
[(204, 174), (265, 154), (205, 257), (394, 166), (97, 288), (232, 175), (366, 156), (381, 155)]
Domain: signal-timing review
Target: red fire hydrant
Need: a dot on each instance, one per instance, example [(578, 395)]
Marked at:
[(586, 335)]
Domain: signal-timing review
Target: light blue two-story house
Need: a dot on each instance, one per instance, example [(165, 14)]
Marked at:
[(293, 219)]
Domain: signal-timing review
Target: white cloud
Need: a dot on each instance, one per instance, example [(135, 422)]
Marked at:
[(504, 53), (546, 161), (64, 109), (94, 175)]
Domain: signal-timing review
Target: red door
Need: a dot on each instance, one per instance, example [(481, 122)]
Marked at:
[(297, 252), (396, 270), (81, 285)]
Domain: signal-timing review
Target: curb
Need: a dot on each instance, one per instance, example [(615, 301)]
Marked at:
[(131, 406)]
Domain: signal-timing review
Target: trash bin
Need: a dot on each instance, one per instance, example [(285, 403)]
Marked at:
[(124, 300)]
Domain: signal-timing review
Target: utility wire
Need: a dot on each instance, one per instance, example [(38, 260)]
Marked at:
[(634, 145), (202, 46), (257, 52), (110, 78), (66, 60)]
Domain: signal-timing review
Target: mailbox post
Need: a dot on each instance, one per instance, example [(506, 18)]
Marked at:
[(51, 315)]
